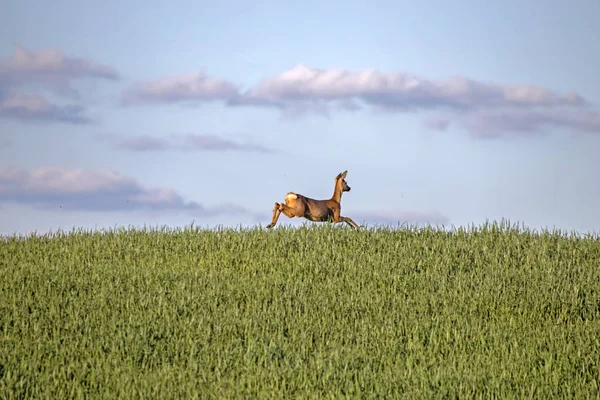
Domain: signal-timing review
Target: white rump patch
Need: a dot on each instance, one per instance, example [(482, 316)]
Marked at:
[(291, 196)]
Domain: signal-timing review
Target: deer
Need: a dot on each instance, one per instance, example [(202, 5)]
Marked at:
[(297, 205)]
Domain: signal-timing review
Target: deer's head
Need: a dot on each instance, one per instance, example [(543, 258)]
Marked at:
[(342, 181)]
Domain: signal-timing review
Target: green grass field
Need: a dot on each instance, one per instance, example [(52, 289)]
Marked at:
[(311, 312)]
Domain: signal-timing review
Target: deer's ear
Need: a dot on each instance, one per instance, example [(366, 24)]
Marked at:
[(343, 174)]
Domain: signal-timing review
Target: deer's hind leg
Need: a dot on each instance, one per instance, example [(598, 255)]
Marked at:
[(291, 211), (276, 213), (288, 211), (292, 208)]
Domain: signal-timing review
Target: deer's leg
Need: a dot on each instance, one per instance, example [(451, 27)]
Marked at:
[(338, 218), (289, 211), (276, 213), (349, 221)]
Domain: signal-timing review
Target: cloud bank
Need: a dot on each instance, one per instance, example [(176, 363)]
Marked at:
[(185, 142), (35, 108), (481, 108), (46, 70), (494, 123), (96, 190), (394, 91), (51, 69)]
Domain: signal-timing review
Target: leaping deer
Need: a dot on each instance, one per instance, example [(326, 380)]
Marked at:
[(300, 206)]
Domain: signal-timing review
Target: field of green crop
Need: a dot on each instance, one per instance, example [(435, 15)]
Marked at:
[(311, 312)]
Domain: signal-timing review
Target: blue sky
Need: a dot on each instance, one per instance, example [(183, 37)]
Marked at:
[(131, 113)]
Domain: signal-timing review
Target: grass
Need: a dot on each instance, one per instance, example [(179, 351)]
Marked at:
[(312, 312)]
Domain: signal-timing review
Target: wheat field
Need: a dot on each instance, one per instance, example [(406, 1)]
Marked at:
[(312, 312)]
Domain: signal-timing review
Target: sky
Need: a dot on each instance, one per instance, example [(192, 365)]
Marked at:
[(121, 114)]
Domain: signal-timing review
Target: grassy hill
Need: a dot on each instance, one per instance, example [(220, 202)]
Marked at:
[(315, 311)]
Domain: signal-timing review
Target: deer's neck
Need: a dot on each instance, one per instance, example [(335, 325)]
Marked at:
[(337, 193)]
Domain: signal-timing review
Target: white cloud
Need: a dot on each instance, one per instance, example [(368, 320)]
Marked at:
[(196, 87), (24, 107), (493, 123), (50, 68), (95, 190), (185, 142), (483, 109), (45, 70), (304, 85)]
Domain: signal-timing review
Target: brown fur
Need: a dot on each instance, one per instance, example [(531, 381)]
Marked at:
[(297, 205)]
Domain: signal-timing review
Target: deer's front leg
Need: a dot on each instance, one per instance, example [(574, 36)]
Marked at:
[(349, 221), (338, 218), (276, 213)]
